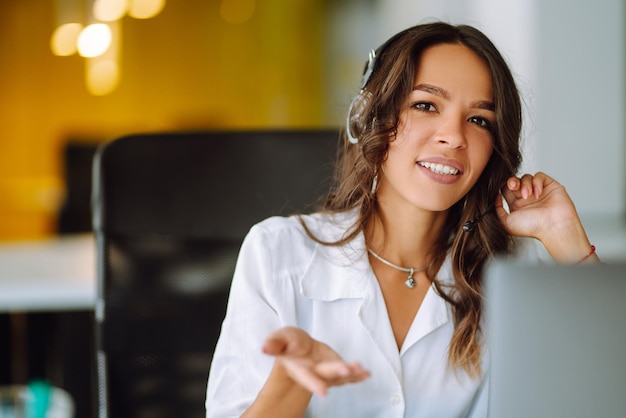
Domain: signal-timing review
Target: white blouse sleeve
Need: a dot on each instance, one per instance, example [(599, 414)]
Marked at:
[(531, 250), (239, 368)]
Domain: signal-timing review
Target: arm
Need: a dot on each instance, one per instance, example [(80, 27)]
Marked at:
[(255, 368), (280, 396), (541, 208), (302, 366), (239, 368)]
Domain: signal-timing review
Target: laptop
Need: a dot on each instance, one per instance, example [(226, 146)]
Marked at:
[(557, 340)]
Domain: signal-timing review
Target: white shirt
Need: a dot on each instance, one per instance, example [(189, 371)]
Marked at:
[(284, 278)]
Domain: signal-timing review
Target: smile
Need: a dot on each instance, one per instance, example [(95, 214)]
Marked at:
[(439, 168)]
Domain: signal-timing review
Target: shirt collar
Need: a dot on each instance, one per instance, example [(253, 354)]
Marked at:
[(336, 271)]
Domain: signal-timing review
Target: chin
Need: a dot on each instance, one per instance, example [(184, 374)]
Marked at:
[(443, 206)]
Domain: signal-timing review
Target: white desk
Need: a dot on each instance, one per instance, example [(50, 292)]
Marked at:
[(50, 275), (59, 274)]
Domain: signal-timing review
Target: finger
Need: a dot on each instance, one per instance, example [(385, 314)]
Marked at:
[(335, 371), (340, 373), (542, 181), (513, 189), (501, 212), (513, 184), (509, 193), (499, 206), (275, 345), (286, 340), (526, 187), (309, 380), (332, 370), (358, 373), (538, 181)]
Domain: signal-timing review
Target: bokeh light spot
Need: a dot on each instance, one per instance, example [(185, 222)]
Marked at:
[(145, 9), (94, 40), (102, 77), (109, 10), (65, 38)]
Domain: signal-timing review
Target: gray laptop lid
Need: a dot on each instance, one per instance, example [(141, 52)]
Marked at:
[(557, 338)]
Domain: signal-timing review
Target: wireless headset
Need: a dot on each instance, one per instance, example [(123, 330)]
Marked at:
[(359, 103), (470, 225)]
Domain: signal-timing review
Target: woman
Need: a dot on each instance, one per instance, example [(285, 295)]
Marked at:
[(379, 295)]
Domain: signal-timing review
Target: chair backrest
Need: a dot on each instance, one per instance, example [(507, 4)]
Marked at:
[(169, 214), (75, 212)]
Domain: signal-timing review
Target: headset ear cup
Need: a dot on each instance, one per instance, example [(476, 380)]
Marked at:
[(355, 123)]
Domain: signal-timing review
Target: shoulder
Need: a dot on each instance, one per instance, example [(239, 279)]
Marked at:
[(322, 225), (294, 239)]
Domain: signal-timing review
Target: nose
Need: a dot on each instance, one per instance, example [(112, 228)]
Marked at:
[(451, 133)]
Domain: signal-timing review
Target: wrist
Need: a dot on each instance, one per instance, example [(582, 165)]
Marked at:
[(591, 256), (282, 380), (569, 245), (280, 396)]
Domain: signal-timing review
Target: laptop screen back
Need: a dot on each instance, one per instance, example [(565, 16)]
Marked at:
[(557, 340)]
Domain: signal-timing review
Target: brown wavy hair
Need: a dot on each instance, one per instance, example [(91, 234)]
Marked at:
[(386, 92)]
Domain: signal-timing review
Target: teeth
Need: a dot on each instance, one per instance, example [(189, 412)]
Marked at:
[(440, 168)]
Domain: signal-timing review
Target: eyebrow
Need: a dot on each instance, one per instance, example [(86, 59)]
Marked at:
[(438, 91)]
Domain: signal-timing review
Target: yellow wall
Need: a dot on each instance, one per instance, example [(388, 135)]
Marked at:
[(184, 69)]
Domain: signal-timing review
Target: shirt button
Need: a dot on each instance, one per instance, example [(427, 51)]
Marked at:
[(395, 400)]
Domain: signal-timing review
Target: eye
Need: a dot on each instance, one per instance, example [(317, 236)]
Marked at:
[(482, 122), (425, 106)]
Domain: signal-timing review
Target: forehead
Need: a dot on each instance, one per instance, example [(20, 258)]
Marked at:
[(454, 67)]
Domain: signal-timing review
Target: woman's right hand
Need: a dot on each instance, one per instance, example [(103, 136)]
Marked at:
[(310, 363)]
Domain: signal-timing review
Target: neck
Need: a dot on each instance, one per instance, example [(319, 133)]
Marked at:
[(404, 237)]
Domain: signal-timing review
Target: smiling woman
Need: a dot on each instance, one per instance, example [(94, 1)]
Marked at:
[(322, 319)]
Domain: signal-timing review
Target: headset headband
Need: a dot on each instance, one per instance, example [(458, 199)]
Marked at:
[(372, 57), (358, 103)]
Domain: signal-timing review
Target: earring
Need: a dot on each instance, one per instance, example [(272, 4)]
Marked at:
[(374, 184)]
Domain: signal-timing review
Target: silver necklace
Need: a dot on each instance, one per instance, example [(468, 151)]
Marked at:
[(410, 281)]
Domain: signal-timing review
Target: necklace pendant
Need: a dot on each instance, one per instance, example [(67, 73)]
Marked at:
[(410, 282)]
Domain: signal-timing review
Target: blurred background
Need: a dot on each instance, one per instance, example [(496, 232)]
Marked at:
[(220, 64), (185, 65)]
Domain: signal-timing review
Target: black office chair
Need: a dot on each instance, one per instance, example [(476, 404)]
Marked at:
[(169, 214)]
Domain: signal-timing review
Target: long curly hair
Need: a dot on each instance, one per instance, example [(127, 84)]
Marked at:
[(375, 126)]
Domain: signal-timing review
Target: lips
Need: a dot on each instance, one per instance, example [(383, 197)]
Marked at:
[(438, 168), (441, 170)]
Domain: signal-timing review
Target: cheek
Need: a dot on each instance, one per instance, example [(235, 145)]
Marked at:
[(481, 156), (397, 143)]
